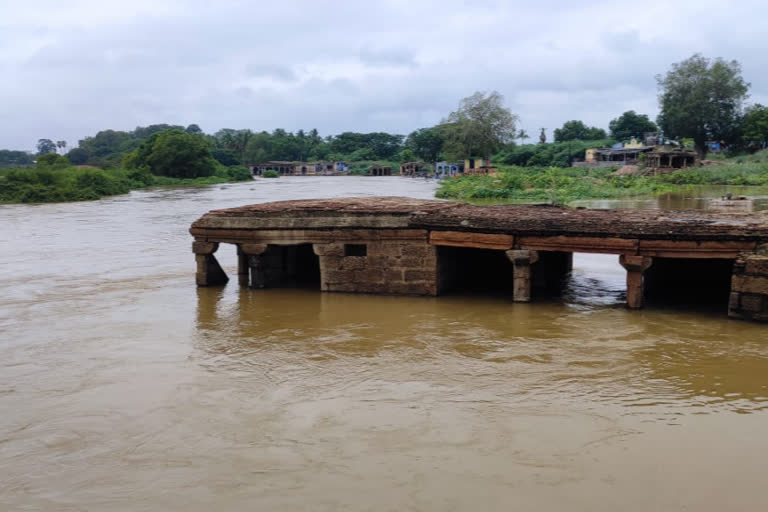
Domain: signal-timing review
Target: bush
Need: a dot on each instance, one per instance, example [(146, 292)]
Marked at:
[(270, 174), (238, 173), (173, 153), (52, 161)]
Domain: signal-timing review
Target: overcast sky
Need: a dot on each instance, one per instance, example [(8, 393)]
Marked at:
[(70, 69)]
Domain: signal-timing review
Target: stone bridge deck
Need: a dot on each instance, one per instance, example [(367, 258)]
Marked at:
[(402, 245)]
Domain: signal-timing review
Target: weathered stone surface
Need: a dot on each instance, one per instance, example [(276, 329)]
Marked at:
[(750, 284), (476, 240), (199, 247), (749, 288), (753, 303), (209, 272), (402, 237), (756, 265), (432, 215), (635, 266)]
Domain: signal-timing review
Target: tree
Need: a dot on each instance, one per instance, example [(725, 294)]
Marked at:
[(10, 158), (407, 155), (542, 137), (52, 161), (61, 144), (426, 143), (523, 135), (577, 130), (77, 156), (45, 146), (755, 125), (193, 129), (480, 126), (631, 124), (702, 99), (173, 153)]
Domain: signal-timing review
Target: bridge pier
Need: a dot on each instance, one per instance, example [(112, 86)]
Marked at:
[(209, 272), (522, 277), (636, 267), (250, 268), (749, 288)]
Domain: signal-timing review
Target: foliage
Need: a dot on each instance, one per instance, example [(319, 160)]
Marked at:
[(52, 161), (558, 154), (270, 174), (173, 153), (558, 185), (755, 125), (480, 126), (426, 143), (702, 99), (45, 184), (577, 130), (45, 146), (382, 146), (236, 173), (407, 155), (10, 158), (78, 156), (631, 124)]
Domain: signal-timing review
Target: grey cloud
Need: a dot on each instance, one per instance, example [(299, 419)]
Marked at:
[(367, 66)]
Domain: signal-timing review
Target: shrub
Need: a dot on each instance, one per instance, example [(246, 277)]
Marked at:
[(238, 173), (270, 174)]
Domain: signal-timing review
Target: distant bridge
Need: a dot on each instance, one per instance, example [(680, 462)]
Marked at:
[(398, 245)]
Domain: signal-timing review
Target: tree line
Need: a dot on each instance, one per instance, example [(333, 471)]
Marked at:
[(699, 98)]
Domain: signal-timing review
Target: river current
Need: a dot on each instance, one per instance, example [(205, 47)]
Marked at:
[(123, 387)]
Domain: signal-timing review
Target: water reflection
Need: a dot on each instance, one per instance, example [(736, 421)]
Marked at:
[(691, 198)]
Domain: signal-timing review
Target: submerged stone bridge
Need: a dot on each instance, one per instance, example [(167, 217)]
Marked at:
[(427, 247)]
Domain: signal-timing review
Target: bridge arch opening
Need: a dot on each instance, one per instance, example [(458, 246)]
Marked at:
[(682, 282), (470, 270), (286, 266)]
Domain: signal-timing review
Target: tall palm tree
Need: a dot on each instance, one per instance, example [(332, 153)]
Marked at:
[(62, 145), (522, 135)]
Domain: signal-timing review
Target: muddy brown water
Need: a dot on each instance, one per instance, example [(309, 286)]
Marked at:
[(123, 387)]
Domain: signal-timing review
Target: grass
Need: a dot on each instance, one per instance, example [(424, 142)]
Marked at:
[(562, 185), (51, 185)]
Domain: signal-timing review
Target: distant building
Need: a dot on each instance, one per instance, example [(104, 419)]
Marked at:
[(285, 168), (634, 153), (411, 169), (380, 170), (478, 166), (445, 169)]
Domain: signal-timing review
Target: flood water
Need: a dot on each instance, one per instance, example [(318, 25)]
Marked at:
[(123, 387)]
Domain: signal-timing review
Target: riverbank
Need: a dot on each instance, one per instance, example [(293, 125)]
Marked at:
[(50, 185), (563, 185)]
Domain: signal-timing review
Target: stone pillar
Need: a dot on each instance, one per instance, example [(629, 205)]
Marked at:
[(250, 256), (209, 272), (635, 266), (749, 288), (243, 269), (522, 260)]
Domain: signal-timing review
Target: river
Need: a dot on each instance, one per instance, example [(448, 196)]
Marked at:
[(123, 387)]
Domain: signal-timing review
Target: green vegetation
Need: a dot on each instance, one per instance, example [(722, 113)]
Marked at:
[(562, 185), (270, 174), (55, 180), (558, 154), (631, 124), (480, 127), (174, 154), (702, 99), (577, 130)]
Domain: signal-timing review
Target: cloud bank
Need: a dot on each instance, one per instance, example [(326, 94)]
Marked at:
[(75, 68)]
